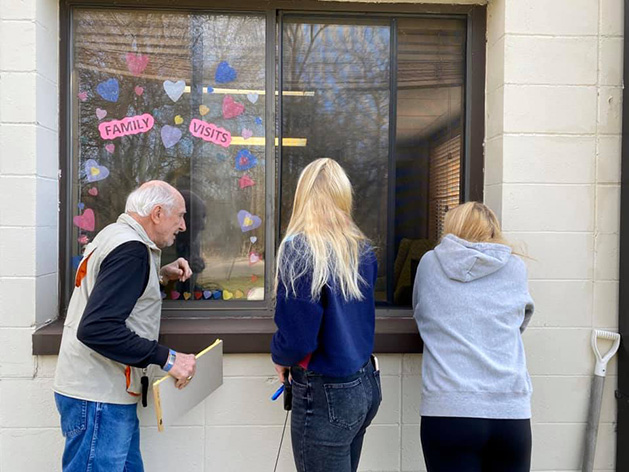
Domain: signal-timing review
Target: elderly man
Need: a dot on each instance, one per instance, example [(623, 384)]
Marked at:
[(111, 330)]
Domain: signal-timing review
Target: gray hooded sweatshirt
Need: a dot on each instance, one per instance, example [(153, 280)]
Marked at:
[(471, 303)]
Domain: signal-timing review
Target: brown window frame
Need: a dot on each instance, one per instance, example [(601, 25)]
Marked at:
[(249, 330)]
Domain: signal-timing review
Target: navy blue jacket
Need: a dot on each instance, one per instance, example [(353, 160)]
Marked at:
[(338, 334)]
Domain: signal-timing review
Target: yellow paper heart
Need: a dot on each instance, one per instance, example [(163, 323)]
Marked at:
[(247, 221), (187, 295), (178, 120), (94, 171), (239, 294), (227, 295), (203, 110)]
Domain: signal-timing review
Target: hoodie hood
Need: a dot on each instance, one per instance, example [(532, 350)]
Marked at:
[(466, 261)]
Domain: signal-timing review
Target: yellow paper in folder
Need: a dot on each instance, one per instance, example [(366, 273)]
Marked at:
[(172, 403)]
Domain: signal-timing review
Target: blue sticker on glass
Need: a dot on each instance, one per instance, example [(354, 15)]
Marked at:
[(109, 90), (81, 205), (225, 73), (258, 120), (210, 89)]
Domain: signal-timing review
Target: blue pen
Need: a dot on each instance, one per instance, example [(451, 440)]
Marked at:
[(277, 393)]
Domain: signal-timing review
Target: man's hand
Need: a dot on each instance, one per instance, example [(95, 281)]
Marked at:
[(282, 372), (177, 270), (183, 369)]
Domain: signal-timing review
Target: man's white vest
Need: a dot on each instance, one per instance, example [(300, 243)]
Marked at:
[(83, 373)]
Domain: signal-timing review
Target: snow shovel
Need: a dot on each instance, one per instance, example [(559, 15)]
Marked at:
[(596, 395)]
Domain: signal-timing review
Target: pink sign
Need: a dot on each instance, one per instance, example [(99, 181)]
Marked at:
[(126, 126), (210, 132)]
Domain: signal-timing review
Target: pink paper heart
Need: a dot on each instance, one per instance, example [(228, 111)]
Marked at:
[(100, 113), (246, 181), (83, 239), (110, 148), (174, 294), (246, 133), (231, 109), (82, 96), (85, 221), (254, 257), (139, 90), (137, 63), (93, 191)]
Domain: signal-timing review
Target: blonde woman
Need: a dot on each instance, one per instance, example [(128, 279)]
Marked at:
[(325, 319), (471, 303)]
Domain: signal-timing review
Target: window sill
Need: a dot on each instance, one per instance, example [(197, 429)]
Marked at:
[(241, 335)]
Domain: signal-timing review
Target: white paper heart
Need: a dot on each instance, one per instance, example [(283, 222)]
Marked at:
[(252, 97), (174, 90), (253, 239)]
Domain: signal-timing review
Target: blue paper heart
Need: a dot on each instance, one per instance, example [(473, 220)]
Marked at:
[(217, 294), (245, 160), (225, 73), (81, 205), (207, 294), (258, 120), (76, 260), (210, 89), (109, 90)]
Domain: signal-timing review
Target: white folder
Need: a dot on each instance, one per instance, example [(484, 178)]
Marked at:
[(171, 403)]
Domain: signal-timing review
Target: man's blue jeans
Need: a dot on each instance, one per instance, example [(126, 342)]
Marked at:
[(100, 437), (330, 416)]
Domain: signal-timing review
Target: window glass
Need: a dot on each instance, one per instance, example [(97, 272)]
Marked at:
[(177, 97)]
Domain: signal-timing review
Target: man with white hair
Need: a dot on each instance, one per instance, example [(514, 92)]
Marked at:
[(111, 329)]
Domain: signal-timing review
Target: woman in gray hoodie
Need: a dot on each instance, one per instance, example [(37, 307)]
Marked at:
[(471, 303)]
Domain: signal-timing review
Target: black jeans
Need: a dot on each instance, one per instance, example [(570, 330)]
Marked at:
[(330, 416), (476, 444)]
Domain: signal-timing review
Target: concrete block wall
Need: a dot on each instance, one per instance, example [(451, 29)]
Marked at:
[(552, 173), (554, 93)]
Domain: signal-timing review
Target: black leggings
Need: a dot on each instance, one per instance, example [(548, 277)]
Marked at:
[(476, 444)]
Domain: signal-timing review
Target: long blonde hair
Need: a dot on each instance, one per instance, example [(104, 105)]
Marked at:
[(323, 236), (474, 222)]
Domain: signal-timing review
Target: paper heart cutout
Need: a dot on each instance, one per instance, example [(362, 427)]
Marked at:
[(239, 294), (187, 295), (246, 181), (256, 293), (207, 294), (83, 239), (248, 221), (253, 239), (231, 109), (163, 294), (110, 148), (109, 90), (136, 63), (174, 90), (254, 278), (246, 133), (93, 191), (82, 96), (245, 160), (94, 172), (174, 295), (81, 205), (86, 221), (216, 294), (100, 113), (252, 97), (258, 120), (210, 90), (203, 110), (138, 90), (225, 73), (170, 136), (198, 295), (254, 258), (227, 295), (178, 119)]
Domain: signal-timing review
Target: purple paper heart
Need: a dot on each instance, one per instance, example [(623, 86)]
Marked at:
[(94, 172), (207, 294), (170, 136), (247, 221)]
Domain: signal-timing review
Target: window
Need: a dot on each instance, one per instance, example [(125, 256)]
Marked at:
[(229, 106)]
